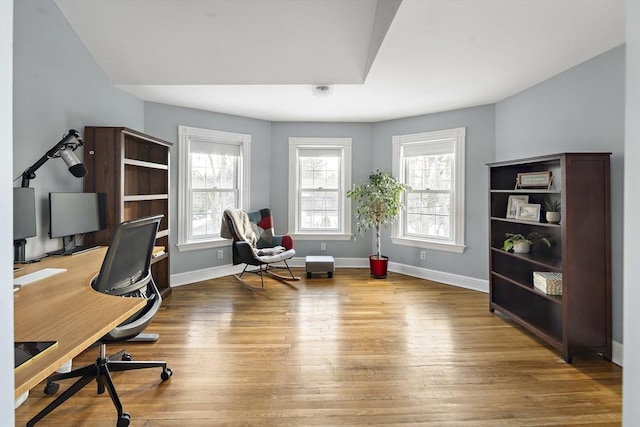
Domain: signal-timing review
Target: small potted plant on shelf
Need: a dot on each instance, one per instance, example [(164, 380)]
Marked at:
[(521, 244), (378, 204), (553, 209)]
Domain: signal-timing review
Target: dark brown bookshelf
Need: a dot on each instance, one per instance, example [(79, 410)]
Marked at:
[(578, 321), (132, 168)]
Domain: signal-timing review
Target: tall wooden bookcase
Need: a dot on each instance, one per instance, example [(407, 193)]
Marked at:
[(133, 170), (580, 319)]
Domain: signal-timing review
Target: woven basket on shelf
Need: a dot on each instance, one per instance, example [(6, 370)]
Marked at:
[(548, 282)]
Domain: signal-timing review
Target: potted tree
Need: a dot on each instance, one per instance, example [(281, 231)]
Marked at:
[(377, 204)]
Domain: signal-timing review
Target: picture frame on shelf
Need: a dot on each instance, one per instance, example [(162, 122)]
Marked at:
[(541, 179), (514, 202), (528, 212)]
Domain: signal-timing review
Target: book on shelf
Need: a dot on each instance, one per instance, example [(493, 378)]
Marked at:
[(157, 251)]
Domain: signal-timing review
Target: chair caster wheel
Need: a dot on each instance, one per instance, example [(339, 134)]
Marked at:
[(124, 420), (126, 357), (166, 374), (51, 388)]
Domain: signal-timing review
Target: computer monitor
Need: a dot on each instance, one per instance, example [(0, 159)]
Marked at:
[(24, 220), (75, 214)]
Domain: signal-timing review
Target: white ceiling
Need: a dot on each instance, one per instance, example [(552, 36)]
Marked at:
[(261, 58)]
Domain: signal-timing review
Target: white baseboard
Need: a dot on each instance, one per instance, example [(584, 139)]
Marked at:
[(465, 282), (481, 285), (616, 353), (189, 277)]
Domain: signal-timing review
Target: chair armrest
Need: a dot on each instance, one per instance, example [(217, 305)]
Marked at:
[(285, 241)]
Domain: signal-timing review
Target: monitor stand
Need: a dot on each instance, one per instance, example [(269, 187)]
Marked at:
[(69, 247), (73, 251), (19, 253)]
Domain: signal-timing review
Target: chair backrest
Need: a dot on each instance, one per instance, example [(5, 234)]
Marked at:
[(264, 221), (127, 265)]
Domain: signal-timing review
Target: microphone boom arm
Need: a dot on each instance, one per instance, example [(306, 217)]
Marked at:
[(30, 172)]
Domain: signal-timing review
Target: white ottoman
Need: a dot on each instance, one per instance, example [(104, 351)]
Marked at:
[(319, 264)]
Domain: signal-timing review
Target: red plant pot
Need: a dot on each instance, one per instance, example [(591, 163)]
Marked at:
[(378, 266)]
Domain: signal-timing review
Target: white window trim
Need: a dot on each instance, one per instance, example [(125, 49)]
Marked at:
[(185, 135), (456, 244), (294, 144)]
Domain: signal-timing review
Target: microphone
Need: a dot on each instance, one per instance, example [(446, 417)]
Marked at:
[(76, 167)]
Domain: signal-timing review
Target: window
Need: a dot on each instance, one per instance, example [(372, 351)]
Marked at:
[(432, 164), (319, 174), (213, 176)]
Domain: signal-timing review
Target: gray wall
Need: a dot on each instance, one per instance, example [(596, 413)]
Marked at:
[(162, 121), (581, 109), (371, 150), (631, 373), (57, 86), (479, 121), (361, 134)]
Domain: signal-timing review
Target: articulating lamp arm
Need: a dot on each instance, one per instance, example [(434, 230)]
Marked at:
[(30, 173)]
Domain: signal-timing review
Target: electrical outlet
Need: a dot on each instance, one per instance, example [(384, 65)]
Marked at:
[(323, 246), (220, 253), (423, 255)]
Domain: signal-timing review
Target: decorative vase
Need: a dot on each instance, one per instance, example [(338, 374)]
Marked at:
[(522, 247), (378, 266), (553, 217)]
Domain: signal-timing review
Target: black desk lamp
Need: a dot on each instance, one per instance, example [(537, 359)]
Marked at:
[(63, 149)]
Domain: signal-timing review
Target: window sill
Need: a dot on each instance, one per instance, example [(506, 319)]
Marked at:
[(208, 244), (321, 236), (429, 244)]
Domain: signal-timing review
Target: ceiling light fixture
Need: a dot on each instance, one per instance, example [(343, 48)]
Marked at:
[(322, 90)]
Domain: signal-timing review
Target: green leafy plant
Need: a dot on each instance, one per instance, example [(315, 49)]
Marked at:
[(531, 238), (378, 203), (552, 205)]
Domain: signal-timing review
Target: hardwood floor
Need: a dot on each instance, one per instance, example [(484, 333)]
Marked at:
[(344, 351)]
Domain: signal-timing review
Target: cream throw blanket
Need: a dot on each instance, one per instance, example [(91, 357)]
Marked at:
[(243, 227)]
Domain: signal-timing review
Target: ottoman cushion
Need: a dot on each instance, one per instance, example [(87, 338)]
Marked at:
[(319, 264)]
